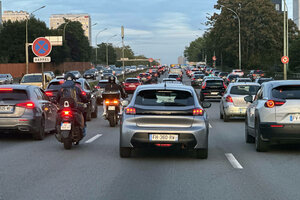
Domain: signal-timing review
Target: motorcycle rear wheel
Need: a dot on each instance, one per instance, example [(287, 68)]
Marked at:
[(68, 144)]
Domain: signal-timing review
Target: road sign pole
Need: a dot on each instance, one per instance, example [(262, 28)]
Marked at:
[(43, 85)]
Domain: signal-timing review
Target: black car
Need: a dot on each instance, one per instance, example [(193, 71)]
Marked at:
[(100, 87), (223, 75), (26, 109), (106, 75), (213, 88), (197, 80), (90, 74), (231, 78)]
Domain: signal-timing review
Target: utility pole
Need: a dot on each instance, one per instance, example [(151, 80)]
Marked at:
[(123, 48), (284, 40), (97, 44)]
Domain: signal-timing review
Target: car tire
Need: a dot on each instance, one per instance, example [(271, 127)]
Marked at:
[(125, 152), (248, 137), (260, 145), (221, 115), (95, 113), (226, 118), (40, 134), (202, 153)]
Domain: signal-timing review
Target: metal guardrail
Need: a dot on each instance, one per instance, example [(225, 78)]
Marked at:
[(279, 76)]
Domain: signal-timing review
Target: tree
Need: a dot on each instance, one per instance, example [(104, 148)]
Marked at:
[(112, 57)]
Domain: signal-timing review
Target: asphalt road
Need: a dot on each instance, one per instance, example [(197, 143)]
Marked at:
[(42, 170)]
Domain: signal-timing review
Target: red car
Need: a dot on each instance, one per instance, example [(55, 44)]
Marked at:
[(131, 84)]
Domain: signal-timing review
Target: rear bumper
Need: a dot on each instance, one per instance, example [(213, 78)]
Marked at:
[(235, 111), (26, 125), (289, 132)]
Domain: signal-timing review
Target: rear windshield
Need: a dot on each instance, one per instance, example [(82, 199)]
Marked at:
[(3, 76), (132, 81), (32, 79), (258, 72), (164, 98), (15, 95), (199, 76), (244, 90), (102, 84), (244, 80), (173, 76), (233, 76), (261, 81), (287, 92), (54, 86), (144, 75), (210, 83), (223, 74)]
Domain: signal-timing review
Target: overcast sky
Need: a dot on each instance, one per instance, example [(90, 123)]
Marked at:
[(154, 28)]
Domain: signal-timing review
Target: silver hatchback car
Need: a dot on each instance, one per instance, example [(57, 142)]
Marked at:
[(232, 103), (274, 115), (165, 115)]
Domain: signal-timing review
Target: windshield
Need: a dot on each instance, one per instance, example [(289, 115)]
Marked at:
[(211, 83), (244, 90), (55, 86), (15, 95), (32, 79), (164, 98), (3, 76), (287, 92)]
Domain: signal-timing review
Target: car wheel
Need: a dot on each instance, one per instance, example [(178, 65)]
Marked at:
[(226, 118), (40, 134), (221, 115), (260, 145), (248, 138), (95, 113), (125, 152), (202, 153)]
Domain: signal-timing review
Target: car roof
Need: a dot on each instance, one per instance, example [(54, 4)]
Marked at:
[(103, 81), (19, 87), (244, 83), (281, 82), (132, 78)]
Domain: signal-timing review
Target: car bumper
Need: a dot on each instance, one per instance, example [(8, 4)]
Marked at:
[(19, 125), (130, 89), (193, 137), (289, 132), (235, 111)]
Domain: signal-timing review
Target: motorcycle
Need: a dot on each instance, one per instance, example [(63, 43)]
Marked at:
[(70, 127), (113, 105)]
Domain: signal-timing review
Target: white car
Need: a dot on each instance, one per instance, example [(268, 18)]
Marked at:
[(238, 72)]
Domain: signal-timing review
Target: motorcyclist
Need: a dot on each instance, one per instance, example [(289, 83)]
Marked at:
[(112, 86), (79, 99)]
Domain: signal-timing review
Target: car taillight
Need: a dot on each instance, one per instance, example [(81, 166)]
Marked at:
[(27, 105), (229, 99), (83, 93), (130, 111), (272, 103), (194, 78), (198, 112), (6, 89), (225, 86), (149, 77), (204, 86), (49, 93), (277, 126), (138, 77), (97, 87), (163, 145)]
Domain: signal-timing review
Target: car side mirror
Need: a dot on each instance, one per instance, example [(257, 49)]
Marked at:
[(125, 103), (248, 99), (206, 104)]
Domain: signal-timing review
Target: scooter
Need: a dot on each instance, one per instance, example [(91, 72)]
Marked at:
[(113, 104), (70, 127)]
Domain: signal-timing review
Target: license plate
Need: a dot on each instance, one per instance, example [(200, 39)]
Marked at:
[(144, 79), (131, 85), (242, 110), (163, 137), (6, 109), (111, 108), (295, 118), (65, 126), (215, 93)]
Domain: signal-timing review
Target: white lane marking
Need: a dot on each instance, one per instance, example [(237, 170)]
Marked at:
[(93, 138), (233, 161), (210, 126)]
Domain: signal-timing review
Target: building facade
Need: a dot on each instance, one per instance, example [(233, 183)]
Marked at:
[(296, 9), (14, 16), (278, 5), (84, 19)]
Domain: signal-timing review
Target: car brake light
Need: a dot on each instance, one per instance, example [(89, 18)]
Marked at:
[(272, 104), (130, 111), (276, 126), (224, 85), (66, 113), (6, 89), (83, 93), (198, 112), (97, 87), (49, 93), (204, 86), (229, 99), (163, 145), (27, 105), (138, 77), (61, 82)]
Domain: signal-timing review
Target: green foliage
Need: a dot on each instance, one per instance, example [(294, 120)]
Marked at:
[(101, 52)]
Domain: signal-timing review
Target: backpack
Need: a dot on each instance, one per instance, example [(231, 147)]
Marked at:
[(68, 97)]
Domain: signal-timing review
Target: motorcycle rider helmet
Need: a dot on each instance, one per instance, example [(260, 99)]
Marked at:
[(70, 77), (112, 79)]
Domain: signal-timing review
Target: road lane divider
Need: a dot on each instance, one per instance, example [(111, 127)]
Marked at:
[(233, 161), (93, 138)]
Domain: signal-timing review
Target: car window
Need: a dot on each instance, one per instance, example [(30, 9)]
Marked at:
[(210, 83), (259, 95), (13, 95), (44, 96), (244, 90), (102, 84), (132, 81), (32, 79), (164, 98), (55, 86), (287, 92), (38, 94)]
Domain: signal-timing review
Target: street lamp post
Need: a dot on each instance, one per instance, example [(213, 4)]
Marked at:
[(240, 44), (97, 44), (285, 39), (26, 38), (107, 48)]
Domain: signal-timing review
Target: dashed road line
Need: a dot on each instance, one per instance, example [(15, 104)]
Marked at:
[(93, 138), (233, 161), (210, 126)]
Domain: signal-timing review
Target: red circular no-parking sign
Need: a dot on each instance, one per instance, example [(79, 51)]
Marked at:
[(151, 60), (285, 60), (41, 47), (214, 58)]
